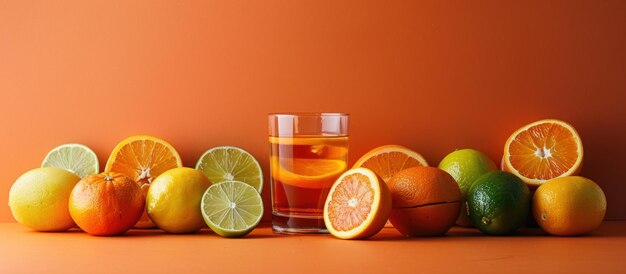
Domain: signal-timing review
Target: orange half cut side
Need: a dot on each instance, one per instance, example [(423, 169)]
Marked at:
[(543, 150), (358, 205), (388, 160)]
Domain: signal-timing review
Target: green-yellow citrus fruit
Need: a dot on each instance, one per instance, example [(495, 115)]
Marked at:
[(465, 166)]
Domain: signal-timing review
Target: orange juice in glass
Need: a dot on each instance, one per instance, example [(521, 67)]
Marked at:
[(308, 152)]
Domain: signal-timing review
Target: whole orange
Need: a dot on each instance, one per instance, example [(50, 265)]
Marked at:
[(569, 206), (106, 204), (426, 201)]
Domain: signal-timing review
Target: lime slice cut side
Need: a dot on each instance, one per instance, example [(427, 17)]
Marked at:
[(228, 163), (232, 209), (76, 158)]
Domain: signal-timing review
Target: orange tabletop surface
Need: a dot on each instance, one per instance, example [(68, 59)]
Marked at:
[(461, 251)]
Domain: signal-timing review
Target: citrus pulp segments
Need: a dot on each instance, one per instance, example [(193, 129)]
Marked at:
[(358, 205), (232, 208), (76, 158), (228, 163), (389, 159), (543, 150), (142, 157)]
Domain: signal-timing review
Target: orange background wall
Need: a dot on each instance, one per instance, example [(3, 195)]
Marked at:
[(430, 75)]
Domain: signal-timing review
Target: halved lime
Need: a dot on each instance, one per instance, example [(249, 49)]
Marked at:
[(228, 163), (75, 158), (231, 208)]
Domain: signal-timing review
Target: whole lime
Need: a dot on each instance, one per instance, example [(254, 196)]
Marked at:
[(39, 199), (173, 200), (465, 166), (498, 203)]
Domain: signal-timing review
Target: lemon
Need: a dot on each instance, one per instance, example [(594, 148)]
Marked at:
[(75, 158), (228, 163), (569, 206), (173, 200), (232, 208), (39, 199), (465, 166)]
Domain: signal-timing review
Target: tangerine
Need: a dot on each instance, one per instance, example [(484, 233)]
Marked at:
[(426, 201), (106, 204)]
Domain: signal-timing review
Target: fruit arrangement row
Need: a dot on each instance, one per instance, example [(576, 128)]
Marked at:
[(537, 182), (144, 185)]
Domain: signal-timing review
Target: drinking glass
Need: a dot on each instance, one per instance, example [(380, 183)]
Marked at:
[(308, 152)]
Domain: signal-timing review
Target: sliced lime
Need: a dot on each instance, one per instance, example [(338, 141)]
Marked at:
[(75, 158), (231, 208), (227, 163)]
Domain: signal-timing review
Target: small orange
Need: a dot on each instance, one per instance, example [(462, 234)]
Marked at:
[(387, 160), (143, 158), (569, 206), (106, 204), (426, 201), (357, 205), (543, 150)]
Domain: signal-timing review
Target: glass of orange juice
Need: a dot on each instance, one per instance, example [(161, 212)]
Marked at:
[(308, 152)]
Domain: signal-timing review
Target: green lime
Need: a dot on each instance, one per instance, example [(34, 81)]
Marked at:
[(228, 163), (231, 208), (75, 158), (498, 203), (465, 166)]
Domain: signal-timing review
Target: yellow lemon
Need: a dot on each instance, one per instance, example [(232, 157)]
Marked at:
[(173, 200), (569, 206), (39, 199)]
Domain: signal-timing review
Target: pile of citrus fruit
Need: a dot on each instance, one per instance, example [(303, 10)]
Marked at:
[(144, 185), (537, 181)]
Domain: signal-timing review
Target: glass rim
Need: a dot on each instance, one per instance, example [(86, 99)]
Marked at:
[(308, 114)]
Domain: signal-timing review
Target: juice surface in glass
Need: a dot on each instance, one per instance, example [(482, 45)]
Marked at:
[(303, 169)]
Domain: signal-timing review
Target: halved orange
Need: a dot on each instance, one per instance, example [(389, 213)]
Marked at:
[(388, 160), (143, 158), (358, 205), (543, 150)]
